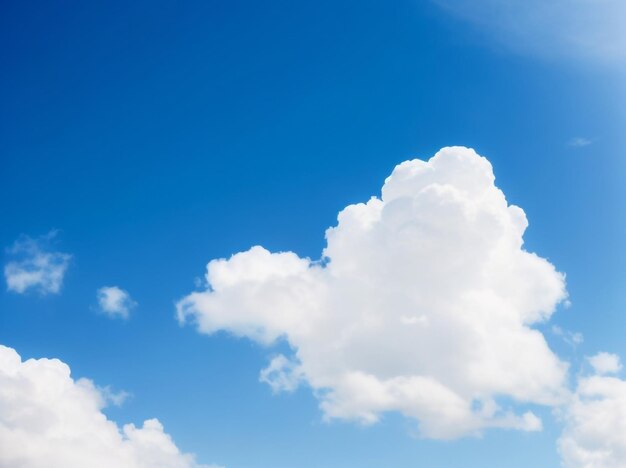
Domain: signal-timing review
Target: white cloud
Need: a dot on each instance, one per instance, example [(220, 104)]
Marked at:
[(595, 421), (47, 419), (605, 363), (35, 266), (115, 302), (421, 306), (576, 29)]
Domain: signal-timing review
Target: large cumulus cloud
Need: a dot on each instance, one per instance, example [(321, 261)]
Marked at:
[(423, 303), (49, 420)]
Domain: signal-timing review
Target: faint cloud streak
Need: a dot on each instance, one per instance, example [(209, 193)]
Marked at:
[(574, 29), (579, 142)]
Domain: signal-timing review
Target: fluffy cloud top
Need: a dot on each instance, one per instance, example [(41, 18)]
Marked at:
[(591, 30), (115, 302), (605, 363), (35, 266), (423, 305), (47, 419), (595, 421)]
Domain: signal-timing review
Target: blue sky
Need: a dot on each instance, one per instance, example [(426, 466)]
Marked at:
[(155, 137)]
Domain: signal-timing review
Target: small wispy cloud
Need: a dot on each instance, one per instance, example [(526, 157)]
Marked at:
[(571, 338), (579, 142), (35, 266), (282, 375), (110, 396), (115, 302)]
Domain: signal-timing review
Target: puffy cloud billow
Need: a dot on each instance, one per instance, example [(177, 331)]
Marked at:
[(49, 420), (424, 304), (115, 302), (595, 420)]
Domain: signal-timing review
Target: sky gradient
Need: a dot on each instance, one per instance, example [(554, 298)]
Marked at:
[(139, 142)]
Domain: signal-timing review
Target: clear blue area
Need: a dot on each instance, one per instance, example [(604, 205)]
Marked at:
[(159, 135)]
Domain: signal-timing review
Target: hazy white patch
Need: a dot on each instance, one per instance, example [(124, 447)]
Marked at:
[(48, 419), (579, 142), (421, 306), (592, 30), (115, 398), (35, 266), (115, 302), (414, 320)]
